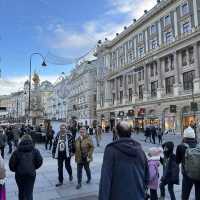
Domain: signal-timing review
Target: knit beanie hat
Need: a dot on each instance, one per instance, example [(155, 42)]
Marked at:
[(189, 133), (154, 152)]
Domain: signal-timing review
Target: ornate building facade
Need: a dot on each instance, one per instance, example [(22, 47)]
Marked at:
[(152, 66)]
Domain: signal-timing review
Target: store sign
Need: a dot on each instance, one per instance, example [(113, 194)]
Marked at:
[(121, 114), (112, 115), (2, 108), (172, 108), (194, 106), (130, 113), (102, 116)]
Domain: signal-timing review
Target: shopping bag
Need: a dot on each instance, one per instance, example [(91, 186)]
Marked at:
[(2, 192)]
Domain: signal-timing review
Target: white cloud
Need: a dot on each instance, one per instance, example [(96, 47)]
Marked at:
[(14, 84), (74, 43)]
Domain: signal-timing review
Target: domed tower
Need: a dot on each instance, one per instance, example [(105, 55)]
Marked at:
[(36, 80)]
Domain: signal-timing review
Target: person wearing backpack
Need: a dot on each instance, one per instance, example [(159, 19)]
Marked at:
[(170, 171), (63, 149), (24, 161), (187, 154), (153, 163), (2, 179)]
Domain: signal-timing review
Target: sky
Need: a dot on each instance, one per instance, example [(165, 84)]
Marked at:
[(61, 30)]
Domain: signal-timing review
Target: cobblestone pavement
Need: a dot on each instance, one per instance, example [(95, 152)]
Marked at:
[(47, 175)]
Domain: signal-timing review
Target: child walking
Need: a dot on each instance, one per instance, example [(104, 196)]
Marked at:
[(153, 163)]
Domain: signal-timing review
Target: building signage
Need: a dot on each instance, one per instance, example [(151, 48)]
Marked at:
[(172, 108), (131, 113), (112, 115), (121, 114)]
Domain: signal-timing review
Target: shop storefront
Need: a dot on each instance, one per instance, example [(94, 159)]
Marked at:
[(152, 120), (170, 121), (131, 118), (139, 120)]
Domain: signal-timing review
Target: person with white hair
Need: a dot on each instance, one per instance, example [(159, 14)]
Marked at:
[(63, 149)]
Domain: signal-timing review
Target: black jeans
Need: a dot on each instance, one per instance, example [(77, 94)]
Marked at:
[(153, 194), (2, 151), (61, 160), (170, 189), (48, 140), (10, 146), (25, 186), (187, 184), (80, 169), (160, 139)]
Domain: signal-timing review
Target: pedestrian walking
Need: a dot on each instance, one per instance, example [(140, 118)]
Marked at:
[(147, 134), (160, 135), (24, 161), (63, 149), (124, 173), (10, 137), (2, 179), (74, 131), (98, 134), (83, 156), (187, 154), (153, 163), (16, 135), (153, 134), (2, 142), (115, 137), (170, 171), (49, 137)]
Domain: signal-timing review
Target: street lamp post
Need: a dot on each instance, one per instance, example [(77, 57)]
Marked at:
[(30, 72)]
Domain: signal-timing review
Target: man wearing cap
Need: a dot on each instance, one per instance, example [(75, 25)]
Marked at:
[(125, 173), (63, 149), (189, 140)]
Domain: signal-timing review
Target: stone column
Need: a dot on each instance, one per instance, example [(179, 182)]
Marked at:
[(160, 33), (107, 94), (125, 97), (177, 84), (146, 41), (195, 7), (175, 24), (197, 69), (146, 89), (160, 79)]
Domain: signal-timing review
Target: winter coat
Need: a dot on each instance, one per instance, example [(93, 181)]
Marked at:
[(147, 132), (170, 170), (25, 148), (69, 145), (10, 135), (2, 169), (83, 148), (153, 173), (180, 152), (3, 139), (124, 173)]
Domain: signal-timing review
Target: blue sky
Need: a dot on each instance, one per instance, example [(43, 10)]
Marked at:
[(63, 28)]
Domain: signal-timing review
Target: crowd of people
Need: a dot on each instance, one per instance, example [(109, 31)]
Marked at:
[(127, 171)]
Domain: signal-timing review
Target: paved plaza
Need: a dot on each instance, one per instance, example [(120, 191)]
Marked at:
[(47, 175)]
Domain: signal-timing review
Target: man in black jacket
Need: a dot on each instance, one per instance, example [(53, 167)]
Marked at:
[(63, 149), (187, 183), (124, 172)]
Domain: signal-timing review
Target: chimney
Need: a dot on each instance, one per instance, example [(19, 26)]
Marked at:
[(158, 1), (125, 27), (134, 20), (117, 34), (145, 11), (99, 42)]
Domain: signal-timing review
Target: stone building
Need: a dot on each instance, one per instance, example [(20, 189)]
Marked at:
[(152, 66), (82, 93)]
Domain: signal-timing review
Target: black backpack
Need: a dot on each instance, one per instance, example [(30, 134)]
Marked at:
[(26, 166)]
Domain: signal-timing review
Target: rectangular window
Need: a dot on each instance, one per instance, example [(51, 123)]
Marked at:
[(184, 9), (168, 37), (188, 78), (121, 97), (186, 27), (130, 44), (113, 98), (154, 44), (141, 92), (156, 68), (130, 57), (141, 51), (154, 86), (172, 62), (130, 94), (152, 70), (166, 64), (130, 78), (169, 82), (140, 37), (167, 20), (139, 75), (112, 84), (153, 29), (191, 55), (184, 58)]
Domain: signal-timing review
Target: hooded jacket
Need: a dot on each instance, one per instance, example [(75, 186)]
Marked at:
[(124, 173), (180, 151), (24, 150)]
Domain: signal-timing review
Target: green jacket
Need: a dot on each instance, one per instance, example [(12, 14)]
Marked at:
[(83, 147)]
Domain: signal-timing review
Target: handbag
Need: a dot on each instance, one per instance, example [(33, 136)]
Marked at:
[(2, 192)]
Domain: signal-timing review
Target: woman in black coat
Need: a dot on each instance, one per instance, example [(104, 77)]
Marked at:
[(24, 162)]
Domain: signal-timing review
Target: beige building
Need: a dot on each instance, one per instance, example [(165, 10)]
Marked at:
[(152, 65)]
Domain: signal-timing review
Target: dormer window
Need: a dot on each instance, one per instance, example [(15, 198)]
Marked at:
[(186, 27), (167, 20), (185, 9)]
